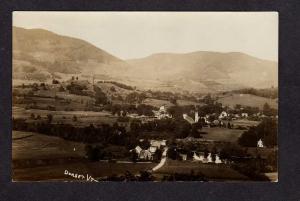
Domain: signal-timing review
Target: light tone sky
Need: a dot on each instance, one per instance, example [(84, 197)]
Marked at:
[(138, 34)]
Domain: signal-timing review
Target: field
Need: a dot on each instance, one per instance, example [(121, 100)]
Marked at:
[(247, 100), (28, 145), (84, 118), (245, 123), (157, 103), (221, 134), (210, 171), (94, 169), (41, 157)]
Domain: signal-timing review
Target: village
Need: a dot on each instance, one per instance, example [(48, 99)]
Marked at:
[(203, 131)]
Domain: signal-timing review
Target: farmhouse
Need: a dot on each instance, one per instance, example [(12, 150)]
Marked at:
[(148, 154), (188, 118), (223, 115), (158, 143), (162, 113), (260, 143), (244, 115), (206, 159), (183, 156)]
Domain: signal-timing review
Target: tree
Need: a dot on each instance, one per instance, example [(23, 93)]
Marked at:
[(145, 176), (112, 89), (100, 96), (134, 156), (61, 88), (266, 130), (268, 111), (208, 99), (54, 81), (32, 116), (172, 153), (50, 118), (74, 118)]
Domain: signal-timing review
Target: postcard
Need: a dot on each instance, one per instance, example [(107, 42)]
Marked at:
[(145, 96)]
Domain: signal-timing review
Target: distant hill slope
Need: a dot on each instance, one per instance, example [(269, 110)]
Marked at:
[(38, 53), (247, 100), (212, 69)]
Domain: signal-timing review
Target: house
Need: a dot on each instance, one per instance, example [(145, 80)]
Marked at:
[(152, 149), (223, 115), (260, 143), (218, 160), (145, 155), (183, 156), (244, 115), (161, 113), (188, 118), (138, 149), (201, 157), (158, 143), (216, 122), (237, 116), (197, 118)]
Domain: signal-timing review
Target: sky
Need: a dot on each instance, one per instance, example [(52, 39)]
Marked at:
[(129, 35)]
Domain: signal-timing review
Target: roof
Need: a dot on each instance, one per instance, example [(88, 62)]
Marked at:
[(138, 149), (188, 119), (152, 149)]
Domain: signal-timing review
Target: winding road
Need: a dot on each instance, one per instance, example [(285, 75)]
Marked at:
[(162, 161)]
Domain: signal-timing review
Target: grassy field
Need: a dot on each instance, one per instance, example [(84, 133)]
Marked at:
[(221, 134), (157, 103), (244, 122), (47, 157), (187, 102), (94, 169), (84, 118), (210, 171), (247, 100), (28, 145)]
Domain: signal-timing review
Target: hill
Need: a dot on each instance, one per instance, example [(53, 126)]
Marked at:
[(39, 54), (209, 70), (247, 100)]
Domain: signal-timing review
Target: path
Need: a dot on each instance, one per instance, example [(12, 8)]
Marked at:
[(162, 161)]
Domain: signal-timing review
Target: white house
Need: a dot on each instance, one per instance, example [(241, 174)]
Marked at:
[(188, 118), (183, 156), (162, 113), (196, 117), (244, 115), (158, 143), (223, 115), (152, 149), (260, 143), (218, 160), (207, 159)]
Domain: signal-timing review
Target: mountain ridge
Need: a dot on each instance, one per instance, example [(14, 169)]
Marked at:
[(38, 54)]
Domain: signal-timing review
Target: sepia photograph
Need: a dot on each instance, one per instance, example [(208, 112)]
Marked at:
[(144, 96)]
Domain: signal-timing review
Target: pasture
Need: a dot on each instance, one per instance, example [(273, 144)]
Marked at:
[(157, 102), (84, 118), (209, 171), (28, 145), (247, 100), (94, 169), (221, 134)]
